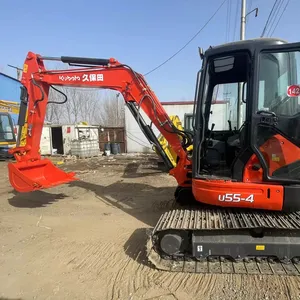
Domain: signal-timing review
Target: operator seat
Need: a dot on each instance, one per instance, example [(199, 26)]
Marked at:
[(234, 140), (238, 139), (234, 145), (243, 154)]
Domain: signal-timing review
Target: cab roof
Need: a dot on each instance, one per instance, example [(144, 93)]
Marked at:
[(249, 45)]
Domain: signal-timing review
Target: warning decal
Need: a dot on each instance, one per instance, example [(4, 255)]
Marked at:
[(293, 90)]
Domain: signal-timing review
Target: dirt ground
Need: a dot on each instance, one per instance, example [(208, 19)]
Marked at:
[(86, 240)]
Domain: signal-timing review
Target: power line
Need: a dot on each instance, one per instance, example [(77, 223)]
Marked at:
[(264, 30), (288, 1), (276, 11), (167, 60)]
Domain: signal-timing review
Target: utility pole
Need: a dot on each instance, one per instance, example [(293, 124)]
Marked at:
[(240, 85), (243, 20)]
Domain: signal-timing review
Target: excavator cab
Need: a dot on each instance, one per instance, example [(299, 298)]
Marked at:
[(7, 134), (259, 84), (246, 165)]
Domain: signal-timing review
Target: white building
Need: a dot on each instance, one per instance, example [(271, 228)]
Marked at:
[(59, 138), (137, 142)]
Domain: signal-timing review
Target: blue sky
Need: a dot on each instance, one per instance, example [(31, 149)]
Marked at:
[(141, 33)]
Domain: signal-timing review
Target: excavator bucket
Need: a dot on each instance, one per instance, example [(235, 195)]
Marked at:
[(29, 176)]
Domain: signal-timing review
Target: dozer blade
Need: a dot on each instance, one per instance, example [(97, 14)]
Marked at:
[(29, 176)]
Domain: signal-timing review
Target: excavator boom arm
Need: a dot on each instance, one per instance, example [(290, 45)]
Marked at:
[(93, 73)]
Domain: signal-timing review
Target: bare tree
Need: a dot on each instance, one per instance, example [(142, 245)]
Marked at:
[(96, 106), (111, 112), (54, 113), (102, 107)]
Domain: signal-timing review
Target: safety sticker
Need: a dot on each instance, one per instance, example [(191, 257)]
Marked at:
[(25, 68), (260, 247), (293, 90), (275, 157)]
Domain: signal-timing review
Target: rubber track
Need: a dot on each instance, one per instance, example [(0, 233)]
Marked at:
[(216, 219)]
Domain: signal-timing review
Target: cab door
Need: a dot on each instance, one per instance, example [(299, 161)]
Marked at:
[(275, 136), (7, 134)]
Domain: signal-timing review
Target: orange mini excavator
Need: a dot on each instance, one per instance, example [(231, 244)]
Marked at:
[(244, 173)]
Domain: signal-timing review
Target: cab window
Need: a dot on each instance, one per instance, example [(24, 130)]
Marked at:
[(6, 129)]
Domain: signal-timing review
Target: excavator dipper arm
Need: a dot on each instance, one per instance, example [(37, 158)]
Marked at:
[(30, 172)]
